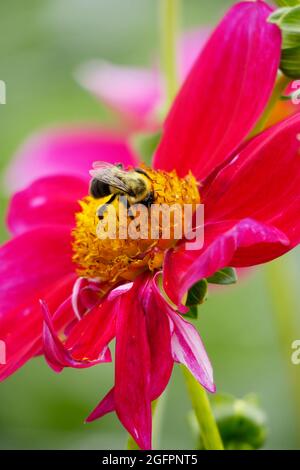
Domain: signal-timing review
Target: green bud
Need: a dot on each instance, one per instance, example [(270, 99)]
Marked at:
[(288, 20), (290, 62), (241, 422), (287, 3)]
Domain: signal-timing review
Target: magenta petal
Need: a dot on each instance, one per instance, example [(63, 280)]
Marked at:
[(48, 201), (107, 405), (224, 94), (133, 368), (134, 92), (32, 262), (92, 334), (262, 182), (188, 349), (21, 328), (65, 151), (223, 241), (159, 337), (32, 265), (57, 354)]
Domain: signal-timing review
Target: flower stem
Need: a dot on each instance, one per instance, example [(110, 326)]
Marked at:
[(204, 414), (280, 86), (169, 14)]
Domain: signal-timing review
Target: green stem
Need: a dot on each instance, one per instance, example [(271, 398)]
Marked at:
[(280, 86), (205, 417), (169, 14)]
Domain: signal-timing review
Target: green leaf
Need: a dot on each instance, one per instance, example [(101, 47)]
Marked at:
[(145, 145), (225, 276)]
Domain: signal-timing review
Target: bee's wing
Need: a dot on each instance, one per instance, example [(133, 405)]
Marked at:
[(102, 165), (107, 173), (99, 168)]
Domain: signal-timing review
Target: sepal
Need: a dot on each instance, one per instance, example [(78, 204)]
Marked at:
[(225, 276), (196, 296)]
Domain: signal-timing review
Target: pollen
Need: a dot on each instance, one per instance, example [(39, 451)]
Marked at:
[(135, 243)]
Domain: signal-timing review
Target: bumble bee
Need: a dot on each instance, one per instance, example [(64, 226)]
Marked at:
[(113, 180)]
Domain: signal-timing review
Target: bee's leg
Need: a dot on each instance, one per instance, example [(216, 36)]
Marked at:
[(102, 209)]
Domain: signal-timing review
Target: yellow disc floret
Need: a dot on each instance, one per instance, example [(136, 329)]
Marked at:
[(118, 258)]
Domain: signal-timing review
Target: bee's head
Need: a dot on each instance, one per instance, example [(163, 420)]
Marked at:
[(99, 189)]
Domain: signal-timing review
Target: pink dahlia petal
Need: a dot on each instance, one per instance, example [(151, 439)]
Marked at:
[(159, 337), (261, 182), (85, 296), (224, 94), (107, 405), (30, 263), (56, 352), (92, 334), (134, 92), (21, 327), (133, 367), (31, 267), (65, 151), (46, 202), (189, 350), (223, 241)]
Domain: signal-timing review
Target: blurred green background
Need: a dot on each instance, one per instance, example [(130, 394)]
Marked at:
[(248, 329)]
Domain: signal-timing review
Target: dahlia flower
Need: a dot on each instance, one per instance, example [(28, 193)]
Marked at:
[(67, 294)]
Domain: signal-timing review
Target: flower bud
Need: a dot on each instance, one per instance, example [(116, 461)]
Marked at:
[(241, 422), (288, 20)]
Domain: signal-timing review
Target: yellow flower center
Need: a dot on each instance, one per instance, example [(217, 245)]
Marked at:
[(112, 260)]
